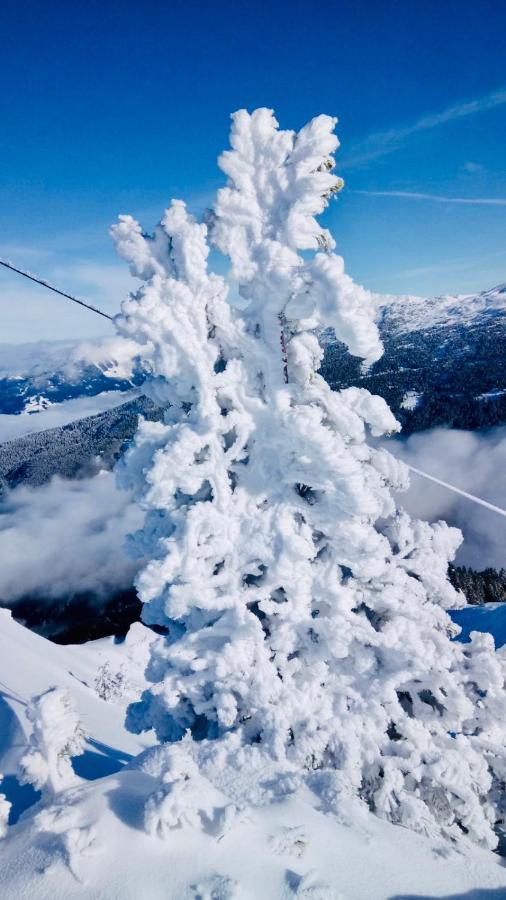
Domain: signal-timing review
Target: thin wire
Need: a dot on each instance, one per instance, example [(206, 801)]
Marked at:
[(99, 312), (50, 287), (456, 490)]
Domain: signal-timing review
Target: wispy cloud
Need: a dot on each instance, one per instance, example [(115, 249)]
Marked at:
[(473, 168), (436, 198), (461, 263), (382, 142)]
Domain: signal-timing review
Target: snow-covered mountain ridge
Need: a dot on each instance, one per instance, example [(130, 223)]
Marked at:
[(406, 313), (37, 375), (443, 363)]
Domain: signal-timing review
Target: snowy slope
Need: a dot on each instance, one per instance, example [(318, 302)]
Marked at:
[(299, 845), (287, 850), (30, 664)]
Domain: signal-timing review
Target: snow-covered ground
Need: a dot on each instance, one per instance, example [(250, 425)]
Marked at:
[(299, 845)]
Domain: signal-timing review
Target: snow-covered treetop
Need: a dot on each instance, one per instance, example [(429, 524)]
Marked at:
[(278, 183)]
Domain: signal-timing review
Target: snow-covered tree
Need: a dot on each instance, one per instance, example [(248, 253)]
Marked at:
[(111, 684), (56, 737), (303, 612)]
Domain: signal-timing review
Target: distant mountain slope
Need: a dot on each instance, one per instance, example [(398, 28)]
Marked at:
[(77, 449), (55, 415), (406, 313), (33, 376), (444, 364), (444, 360)]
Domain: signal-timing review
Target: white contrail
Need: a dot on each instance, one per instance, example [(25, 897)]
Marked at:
[(381, 143), (435, 198), (456, 490)]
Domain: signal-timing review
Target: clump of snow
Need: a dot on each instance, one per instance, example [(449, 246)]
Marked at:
[(70, 840), (181, 798)]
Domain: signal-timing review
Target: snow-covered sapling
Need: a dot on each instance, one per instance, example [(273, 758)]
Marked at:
[(303, 611), (5, 808), (111, 684), (56, 736)]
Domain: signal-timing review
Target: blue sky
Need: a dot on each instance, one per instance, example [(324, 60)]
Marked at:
[(116, 107)]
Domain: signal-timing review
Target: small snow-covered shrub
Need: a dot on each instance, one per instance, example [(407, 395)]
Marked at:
[(183, 797), (5, 808), (72, 840), (177, 801), (56, 736), (303, 611), (110, 684)]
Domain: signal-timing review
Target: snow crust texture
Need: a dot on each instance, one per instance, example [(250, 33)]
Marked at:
[(303, 611)]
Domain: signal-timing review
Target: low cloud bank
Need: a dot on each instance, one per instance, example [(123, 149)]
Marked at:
[(470, 460), (66, 537)]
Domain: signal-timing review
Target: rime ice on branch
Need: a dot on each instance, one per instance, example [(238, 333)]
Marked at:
[(303, 612)]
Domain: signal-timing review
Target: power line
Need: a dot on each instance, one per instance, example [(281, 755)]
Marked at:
[(456, 490), (99, 312), (56, 290)]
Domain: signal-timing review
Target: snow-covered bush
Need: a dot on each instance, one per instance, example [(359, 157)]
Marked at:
[(184, 796), (303, 611), (72, 840), (110, 684), (5, 808), (178, 801), (56, 737)]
